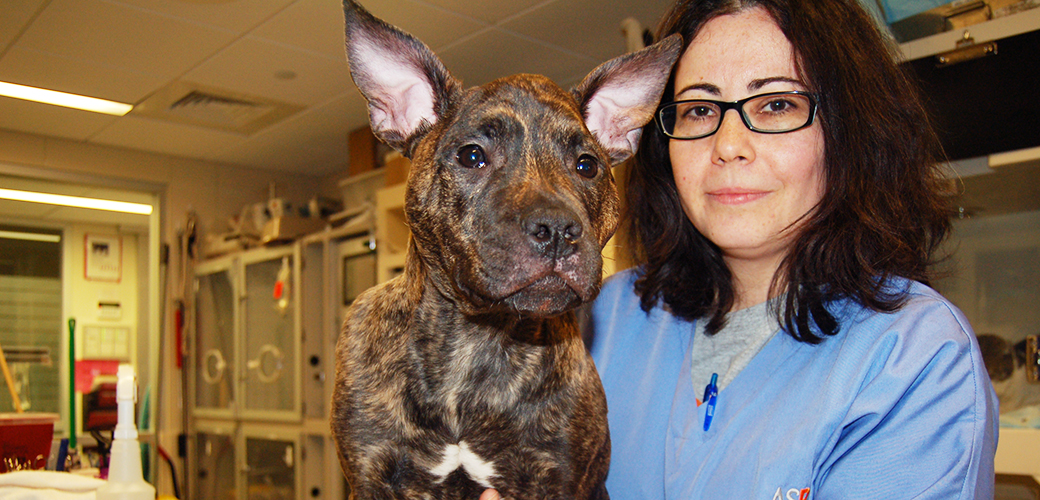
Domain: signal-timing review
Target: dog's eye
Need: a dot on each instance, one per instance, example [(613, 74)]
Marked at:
[(471, 156), (587, 166)]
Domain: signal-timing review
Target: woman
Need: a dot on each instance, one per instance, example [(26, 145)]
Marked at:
[(785, 207)]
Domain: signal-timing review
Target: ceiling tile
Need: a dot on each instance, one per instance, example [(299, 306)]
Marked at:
[(13, 16), (250, 66), (23, 148), (49, 71), (434, 26), (596, 29), (315, 25), (513, 54), (237, 15), (45, 119), (122, 36), (313, 143), (166, 137), (489, 12)]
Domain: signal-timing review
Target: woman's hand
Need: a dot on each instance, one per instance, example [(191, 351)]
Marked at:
[(490, 495)]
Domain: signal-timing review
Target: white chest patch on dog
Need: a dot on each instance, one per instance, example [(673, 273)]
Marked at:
[(459, 455)]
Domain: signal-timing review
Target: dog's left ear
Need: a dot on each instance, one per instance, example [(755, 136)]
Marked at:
[(406, 85), (621, 95)]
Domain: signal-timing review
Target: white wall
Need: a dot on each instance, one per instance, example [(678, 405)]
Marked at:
[(82, 295)]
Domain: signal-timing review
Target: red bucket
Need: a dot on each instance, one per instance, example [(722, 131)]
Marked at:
[(25, 440)]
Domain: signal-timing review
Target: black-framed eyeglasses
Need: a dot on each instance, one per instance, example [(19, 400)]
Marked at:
[(771, 113)]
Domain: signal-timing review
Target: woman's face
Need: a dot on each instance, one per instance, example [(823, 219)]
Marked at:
[(745, 190)]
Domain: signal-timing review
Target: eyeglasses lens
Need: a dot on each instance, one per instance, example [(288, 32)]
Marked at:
[(769, 113)]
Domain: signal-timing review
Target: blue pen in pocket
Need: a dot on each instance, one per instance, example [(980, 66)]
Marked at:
[(711, 396)]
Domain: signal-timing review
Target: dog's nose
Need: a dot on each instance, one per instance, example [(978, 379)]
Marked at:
[(554, 232)]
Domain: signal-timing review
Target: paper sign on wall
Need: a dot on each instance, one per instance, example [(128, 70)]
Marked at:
[(106, 342), (103, 257)]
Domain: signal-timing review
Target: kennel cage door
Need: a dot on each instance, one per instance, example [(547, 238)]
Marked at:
[(271, 464), (271, 335), (216, 458), (214, 356)]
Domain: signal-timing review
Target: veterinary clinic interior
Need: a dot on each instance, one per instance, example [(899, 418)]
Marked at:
[(204, 199)]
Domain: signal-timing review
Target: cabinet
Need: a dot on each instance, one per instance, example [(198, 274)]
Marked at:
[(984, 97), (259, 460), (265, 327), (247, 355), (214, 353), (216, 461)]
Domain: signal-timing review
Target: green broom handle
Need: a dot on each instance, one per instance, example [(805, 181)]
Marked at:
[(72, 383)]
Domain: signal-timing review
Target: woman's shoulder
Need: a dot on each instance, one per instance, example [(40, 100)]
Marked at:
[(923, 311), (911, 383), (926, 341), (928, 334)]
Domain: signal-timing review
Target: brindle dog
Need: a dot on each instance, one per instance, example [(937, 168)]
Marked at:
[(468, 371)]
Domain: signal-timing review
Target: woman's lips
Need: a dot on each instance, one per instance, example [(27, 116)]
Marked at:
[(736, 196)]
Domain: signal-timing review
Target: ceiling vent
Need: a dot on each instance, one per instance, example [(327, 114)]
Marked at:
[(192, 104)]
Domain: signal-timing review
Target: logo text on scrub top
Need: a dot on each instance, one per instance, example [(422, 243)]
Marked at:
[(792, 494)]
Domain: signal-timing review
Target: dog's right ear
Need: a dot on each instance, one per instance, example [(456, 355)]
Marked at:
[(406, 85), (620, 96)]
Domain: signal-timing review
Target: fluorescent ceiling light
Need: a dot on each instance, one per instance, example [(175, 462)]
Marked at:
[(76, 201), (63, 99), (18, 235)]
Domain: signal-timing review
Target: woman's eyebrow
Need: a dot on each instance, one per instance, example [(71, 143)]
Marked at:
[(753, 86), (704, 87), (757, 84)]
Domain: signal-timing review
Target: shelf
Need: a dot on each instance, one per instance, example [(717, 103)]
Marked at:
[(1017, 452), (1015, 24)]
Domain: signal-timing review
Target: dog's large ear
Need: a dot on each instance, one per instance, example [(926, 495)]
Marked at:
[(406, 85), (621, 95)]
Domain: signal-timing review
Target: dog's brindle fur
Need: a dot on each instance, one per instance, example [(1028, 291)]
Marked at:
[(468, 371)]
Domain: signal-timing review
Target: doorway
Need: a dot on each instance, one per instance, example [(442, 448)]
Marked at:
[(62, 300)]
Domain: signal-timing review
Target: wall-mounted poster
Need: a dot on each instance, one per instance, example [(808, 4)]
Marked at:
[(104, 257)]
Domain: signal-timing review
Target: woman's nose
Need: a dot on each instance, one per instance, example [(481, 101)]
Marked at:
[(732, 141)]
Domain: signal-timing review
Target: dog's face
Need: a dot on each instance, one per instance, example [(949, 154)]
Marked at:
[(510, 197)]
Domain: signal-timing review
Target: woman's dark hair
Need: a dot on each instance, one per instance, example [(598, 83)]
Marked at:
[(886, 206)]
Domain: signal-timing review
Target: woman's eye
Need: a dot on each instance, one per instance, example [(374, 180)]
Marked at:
[(778, 106), (700, 111), (471, 156), (587, 166), (696, 111)]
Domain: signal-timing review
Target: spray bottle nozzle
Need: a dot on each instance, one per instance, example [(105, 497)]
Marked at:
[(126, 396)]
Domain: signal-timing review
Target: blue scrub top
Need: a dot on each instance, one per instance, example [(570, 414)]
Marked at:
[(895, 405)]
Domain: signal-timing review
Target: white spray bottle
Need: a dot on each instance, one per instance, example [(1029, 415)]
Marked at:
[(125, 477)]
